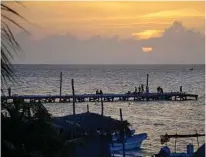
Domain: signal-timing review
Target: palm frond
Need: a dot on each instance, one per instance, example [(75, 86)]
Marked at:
[(6, 8), (9, 45), (14, 22)]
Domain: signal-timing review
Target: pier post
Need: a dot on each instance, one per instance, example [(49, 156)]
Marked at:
[(197, 140), (102, 104), (147, 87), (87, 108), (60, 87), (147, 79), (123, 143), (9, 91), (73, 94)]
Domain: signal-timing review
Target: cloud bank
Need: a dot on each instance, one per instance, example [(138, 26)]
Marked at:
[(177, 45)]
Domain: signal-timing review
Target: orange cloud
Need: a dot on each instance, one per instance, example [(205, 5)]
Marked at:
[(175, 14), (147, 49), (148, 34), (121, 18)]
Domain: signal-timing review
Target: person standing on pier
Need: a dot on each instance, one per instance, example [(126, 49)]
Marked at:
[(180, 89), (139, 88), (9, 91), (161, 90), (97, 91), (142, 88), (158, 89), (100, 92), (135, 91)]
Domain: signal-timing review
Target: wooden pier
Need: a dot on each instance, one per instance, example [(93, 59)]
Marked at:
[(135, 96), (172, 96)]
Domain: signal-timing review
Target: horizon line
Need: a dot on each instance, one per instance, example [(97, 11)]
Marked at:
[(105, 64)]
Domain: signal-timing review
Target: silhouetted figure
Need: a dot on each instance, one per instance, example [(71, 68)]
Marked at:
[(139, 89), (9, 91), (161, 90), (97, 91), (100, 92), (135, 91), (142, 88), (180, 89), (158, 89), (129, 92)]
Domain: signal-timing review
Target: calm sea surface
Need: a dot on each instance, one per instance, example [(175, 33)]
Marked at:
[(155, 118)]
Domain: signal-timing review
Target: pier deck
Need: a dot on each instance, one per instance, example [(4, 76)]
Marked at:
[(172, 96)]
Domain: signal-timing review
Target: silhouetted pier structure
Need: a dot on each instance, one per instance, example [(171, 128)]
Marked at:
[(172, 96), (111, 97)]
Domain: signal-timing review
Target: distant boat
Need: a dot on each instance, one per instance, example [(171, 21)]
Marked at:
[(191, 68), (131, 142)]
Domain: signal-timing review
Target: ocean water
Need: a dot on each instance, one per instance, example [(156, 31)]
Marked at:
[(153, 117)]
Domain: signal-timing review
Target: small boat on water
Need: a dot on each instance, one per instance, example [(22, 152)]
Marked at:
[(133, 141)]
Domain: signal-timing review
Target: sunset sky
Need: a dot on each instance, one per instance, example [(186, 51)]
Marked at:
[(137, 27)]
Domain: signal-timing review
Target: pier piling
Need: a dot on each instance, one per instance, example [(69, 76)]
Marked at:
[(60, 87), (87, 108), (147, 79), (102, 104), (73, 94), (123, 141)]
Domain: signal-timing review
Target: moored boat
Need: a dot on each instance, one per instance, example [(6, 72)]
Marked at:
[(165, 151), (131, 142)]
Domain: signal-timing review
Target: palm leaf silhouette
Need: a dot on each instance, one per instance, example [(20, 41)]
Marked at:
[(9, 45)]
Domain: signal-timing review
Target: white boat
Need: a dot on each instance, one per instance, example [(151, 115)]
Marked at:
[(131, 142)]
